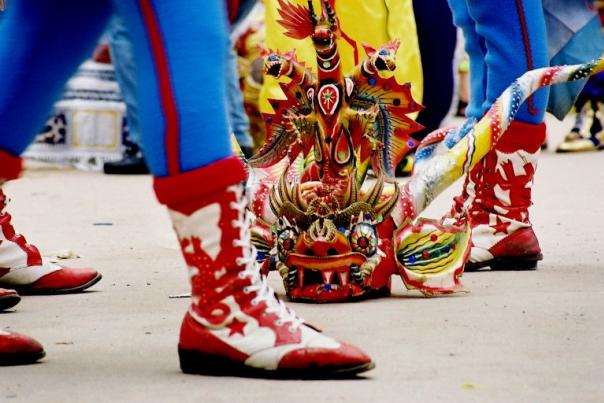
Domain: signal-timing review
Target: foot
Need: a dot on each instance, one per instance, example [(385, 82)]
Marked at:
[(8, 298), (497, 196), (129, 165), (519, 250), (575, 142), (266, 345), (18, 349), (236, 325), (23, 268), (58, 280)]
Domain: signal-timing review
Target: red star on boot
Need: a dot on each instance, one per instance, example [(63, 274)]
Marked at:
[(500, 226), (236, 326)]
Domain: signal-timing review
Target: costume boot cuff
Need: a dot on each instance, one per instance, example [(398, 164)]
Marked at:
[(10, 166), (199, 183), (522, 136)]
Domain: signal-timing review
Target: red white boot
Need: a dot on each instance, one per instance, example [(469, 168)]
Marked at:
[(18, 349), (497, 194), (236, 325), (21, 266)]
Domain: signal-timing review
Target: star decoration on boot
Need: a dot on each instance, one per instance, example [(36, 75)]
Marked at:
[(500, 226), (236, 326)]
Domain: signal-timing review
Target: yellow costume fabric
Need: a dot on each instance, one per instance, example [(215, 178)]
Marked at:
[(374, 22)]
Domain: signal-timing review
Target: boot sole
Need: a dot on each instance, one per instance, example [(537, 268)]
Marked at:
[(21, 358), (29, 290), (198, 363), (509, 263), (9, 301)]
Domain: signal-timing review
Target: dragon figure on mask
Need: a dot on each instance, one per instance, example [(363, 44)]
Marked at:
[(332, 234)]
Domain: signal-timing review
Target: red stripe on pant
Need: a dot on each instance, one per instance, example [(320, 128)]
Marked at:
[(166, 93), (527, 50)]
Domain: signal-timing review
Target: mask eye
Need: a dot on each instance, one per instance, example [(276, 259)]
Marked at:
[(363, 239), (286, 241)]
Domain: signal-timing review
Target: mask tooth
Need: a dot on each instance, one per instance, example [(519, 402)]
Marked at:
[(300, 277), (327, 276), (343, 277)]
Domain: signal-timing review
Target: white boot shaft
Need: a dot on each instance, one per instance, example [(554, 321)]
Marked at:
[(20, 262)]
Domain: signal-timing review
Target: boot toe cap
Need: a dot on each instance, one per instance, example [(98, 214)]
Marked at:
[(66, 280), (345, 357), (16, 348)]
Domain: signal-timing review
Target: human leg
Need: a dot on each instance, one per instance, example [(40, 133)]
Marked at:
[(516, 41), (26, 97), (436, 36), (34, 72), (235, 324), (476, 49), (122, 57), (501, 230), (238, 119)]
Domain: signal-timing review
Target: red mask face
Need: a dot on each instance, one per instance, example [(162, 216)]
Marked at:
[(324, 263), (330, 248)]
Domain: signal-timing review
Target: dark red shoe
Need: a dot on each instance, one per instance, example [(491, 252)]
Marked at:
[(18, 349), (8, 298), (66, 280)]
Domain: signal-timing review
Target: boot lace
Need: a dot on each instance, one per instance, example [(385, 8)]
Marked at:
[(259, 284)]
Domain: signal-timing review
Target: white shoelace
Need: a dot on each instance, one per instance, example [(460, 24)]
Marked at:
[(252, 270)]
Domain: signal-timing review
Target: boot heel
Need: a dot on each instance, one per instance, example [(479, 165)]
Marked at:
[(516, 263), (196, 362)]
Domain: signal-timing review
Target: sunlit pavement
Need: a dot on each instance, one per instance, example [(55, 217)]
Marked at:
[(515, 337)]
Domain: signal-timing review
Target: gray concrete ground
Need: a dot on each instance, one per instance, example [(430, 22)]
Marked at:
[(516, 337)]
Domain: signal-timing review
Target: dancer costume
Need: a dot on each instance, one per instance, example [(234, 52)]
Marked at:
[(373, 22), (235, 324)]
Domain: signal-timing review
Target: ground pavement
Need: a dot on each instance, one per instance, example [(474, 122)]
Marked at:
[(515, 337)]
